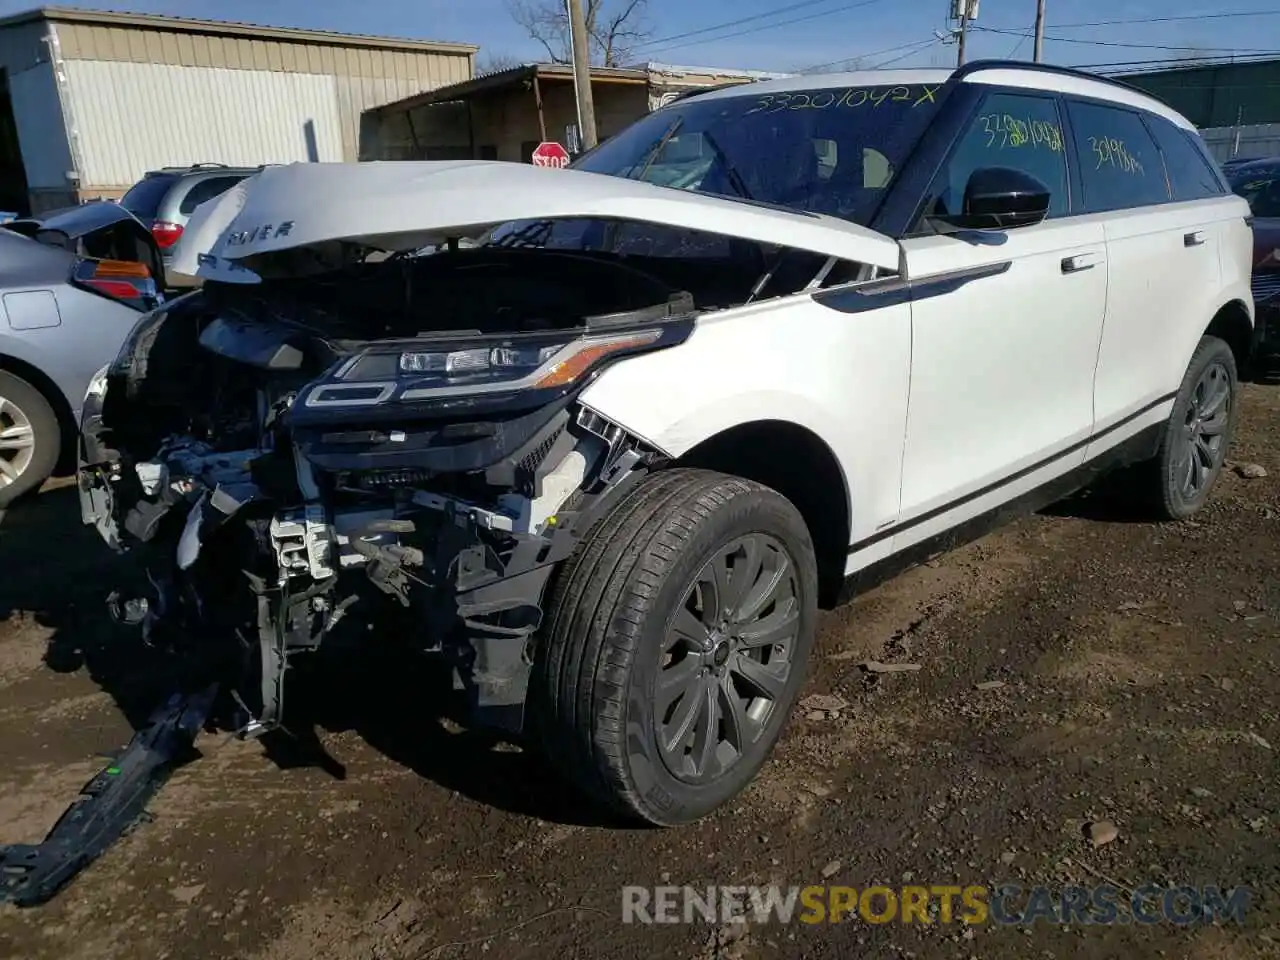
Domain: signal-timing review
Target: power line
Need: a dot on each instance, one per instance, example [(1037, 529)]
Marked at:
[(759, 16), (919, 48), (1205, 16), (864, 56), (1113, 43)]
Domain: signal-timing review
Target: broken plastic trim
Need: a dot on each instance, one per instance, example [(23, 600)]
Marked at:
[(108, 806)]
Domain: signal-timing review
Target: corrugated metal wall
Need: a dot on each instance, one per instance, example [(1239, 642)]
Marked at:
[(1260, 140), (1218, 96), (133, 117), (257, 92)]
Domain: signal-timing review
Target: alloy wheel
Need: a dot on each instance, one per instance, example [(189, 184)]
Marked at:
[(1204, 431), (17, 442), (726, 658)]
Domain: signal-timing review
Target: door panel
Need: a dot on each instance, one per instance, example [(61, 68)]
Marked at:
[(1163, 271), (1163, 266), (1002, 368)]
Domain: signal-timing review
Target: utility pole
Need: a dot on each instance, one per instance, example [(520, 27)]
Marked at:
[(582, 74), (962, 11), (1039, 30)]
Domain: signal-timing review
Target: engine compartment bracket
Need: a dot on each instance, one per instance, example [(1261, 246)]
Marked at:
[(108, 806)]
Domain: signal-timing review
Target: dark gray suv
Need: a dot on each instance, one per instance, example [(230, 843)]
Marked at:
[(165, 199)]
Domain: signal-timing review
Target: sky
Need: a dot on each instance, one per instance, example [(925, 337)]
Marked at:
[(791, 35)]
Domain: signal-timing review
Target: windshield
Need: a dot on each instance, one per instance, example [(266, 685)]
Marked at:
[(826, 150), (1261, 188)]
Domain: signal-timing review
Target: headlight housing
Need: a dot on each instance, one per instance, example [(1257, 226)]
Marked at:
[(473, 372)]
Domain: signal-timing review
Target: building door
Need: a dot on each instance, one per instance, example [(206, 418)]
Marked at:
[(13, 177)]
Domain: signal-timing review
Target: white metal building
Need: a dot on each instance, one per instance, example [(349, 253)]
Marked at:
[(91, 100)]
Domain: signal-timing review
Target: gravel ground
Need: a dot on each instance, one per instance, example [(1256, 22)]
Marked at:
[(1073, 668)]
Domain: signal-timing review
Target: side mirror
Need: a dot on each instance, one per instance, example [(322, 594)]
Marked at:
[(1000, 198)]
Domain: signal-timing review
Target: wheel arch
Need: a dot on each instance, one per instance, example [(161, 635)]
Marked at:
[(45, 385), (800, 465), (1234, 323)]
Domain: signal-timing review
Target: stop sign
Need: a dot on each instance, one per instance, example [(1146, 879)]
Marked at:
[(550, 154)]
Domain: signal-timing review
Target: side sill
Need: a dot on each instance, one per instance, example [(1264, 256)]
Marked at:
[(1141, 446)]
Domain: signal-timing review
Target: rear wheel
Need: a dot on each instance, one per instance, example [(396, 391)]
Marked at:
[(678, 639), (1197, 434), (29, 438)]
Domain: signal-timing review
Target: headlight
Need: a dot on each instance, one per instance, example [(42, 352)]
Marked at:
[(98, 385), (474, 370)]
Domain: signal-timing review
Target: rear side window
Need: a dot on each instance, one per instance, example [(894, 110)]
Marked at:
[(206, 190), (1190, 175), (1119, 163), (143, 198)]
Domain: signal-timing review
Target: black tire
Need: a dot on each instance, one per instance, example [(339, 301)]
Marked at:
[(1165, 486), (46, 436), (598, 665)]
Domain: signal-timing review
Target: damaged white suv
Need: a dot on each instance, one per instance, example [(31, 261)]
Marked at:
[(607, 438)]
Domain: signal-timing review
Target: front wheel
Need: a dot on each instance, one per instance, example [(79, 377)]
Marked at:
[(677, 641), (30, 439), (1194, 444)]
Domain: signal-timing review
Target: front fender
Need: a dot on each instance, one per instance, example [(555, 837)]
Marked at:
[(844, 377)]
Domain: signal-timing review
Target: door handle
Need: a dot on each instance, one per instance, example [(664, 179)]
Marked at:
[(1078, 263), (1193, 239)]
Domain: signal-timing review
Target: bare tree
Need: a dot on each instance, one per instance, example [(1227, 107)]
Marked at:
[(614, 27), (495, 63)]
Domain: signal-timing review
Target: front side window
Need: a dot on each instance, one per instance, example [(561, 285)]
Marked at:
[(1190, 175), (1017, 131), (1119, 163), (832, 151)]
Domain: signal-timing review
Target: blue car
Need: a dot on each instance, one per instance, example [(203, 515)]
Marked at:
[(72, 285)]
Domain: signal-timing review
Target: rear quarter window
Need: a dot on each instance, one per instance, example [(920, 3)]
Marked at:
[(204, 190), (1120, 165), (145, 196), (1190, 175)]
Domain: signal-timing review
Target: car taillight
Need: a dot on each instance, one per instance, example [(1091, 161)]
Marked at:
[(166, 234), (119, 279)]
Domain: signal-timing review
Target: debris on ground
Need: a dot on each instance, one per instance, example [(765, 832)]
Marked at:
[(1251, 471), (875, 666), (1102, 832), (989, 685), (824, 701)]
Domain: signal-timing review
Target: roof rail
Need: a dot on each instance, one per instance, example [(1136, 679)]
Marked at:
[(695, 91), (977, 66)]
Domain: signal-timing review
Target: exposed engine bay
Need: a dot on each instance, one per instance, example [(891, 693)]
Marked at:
[(390, 452)]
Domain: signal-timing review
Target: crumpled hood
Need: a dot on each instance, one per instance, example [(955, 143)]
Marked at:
[(404, 205)]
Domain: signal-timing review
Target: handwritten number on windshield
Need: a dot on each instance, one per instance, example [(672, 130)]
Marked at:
[(853, 97)]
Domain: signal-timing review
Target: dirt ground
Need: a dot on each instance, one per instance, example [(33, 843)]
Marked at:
[(1141, 684)]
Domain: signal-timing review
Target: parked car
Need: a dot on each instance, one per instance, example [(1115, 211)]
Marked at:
[(72, 285), (165, 199), (1258, 181), (610, 461)]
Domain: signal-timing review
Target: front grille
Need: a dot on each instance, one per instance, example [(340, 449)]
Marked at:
[(1266, 286)]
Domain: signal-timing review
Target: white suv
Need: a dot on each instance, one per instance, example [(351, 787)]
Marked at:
[(605, 439)]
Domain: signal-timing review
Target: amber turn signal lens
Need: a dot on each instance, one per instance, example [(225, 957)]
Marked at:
[(572, 367), (120, 268)]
